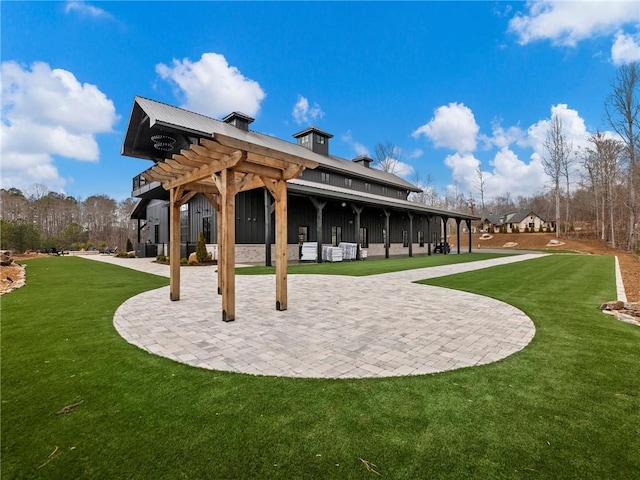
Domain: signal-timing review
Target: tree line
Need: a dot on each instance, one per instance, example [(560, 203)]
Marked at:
[(40, 220)]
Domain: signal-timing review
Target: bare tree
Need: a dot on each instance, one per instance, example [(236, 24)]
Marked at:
[(602, 163), (558, 150), (388, 156), (622, 111), (480, 185)]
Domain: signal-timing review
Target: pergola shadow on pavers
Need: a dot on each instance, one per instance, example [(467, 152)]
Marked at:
[(337, 327)]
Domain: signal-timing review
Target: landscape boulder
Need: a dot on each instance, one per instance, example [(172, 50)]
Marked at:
[(5, 258)]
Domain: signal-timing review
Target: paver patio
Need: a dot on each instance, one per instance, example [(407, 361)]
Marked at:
[(335, 326)]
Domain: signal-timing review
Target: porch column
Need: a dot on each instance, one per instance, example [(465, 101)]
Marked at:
[(357, 210), (445, 220), (319, 207), (458, 220), (410, 234), (387, 240), (267, 228), (468, 222), (174, 244), (428, 234)]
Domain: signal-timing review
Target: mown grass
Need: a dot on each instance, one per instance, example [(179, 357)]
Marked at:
[(372, 266), (565, 407)]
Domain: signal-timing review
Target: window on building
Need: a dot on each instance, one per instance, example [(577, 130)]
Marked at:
[(348, 182), (421, 238), (364, 237), (336, 236), (306, 140), (184, 223), (405, 238), (367, 187), (400, 194), (320, 139), (324, 177), (156, 233), (385, 191), (206, 229)]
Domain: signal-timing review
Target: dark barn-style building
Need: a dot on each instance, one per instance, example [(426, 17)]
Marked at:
[(338, 201)]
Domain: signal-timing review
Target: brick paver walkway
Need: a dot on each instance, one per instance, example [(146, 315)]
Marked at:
[(335, 327)]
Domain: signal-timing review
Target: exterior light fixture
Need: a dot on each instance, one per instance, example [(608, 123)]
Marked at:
[(164, 143)]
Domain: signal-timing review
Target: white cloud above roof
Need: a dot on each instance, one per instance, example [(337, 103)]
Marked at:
[(210, 86), (567, 23), (83, 8), (626, 48), (303, 113), (452, 126), (48, 112)]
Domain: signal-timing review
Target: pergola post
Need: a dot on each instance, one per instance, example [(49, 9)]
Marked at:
[(228, 208), (174, 244), (458, 220), (281, 244), (468, 222)]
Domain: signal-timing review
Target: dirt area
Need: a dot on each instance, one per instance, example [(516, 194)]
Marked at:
[(629, 264)]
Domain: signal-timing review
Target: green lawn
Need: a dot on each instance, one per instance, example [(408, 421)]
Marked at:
[(567, 406), (373, 266)]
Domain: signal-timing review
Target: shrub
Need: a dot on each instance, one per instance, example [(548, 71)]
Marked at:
[(201, 249), (131, 255), (161, 258), (184, 261), (122, 255), (193, 261), (129, 246)]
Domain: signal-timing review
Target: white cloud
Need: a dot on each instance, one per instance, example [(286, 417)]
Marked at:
[(573, 127), (566, 23), (401, 169), (83, 8), (507, 172), (415, 153), (212, 87), (503, 137), (48, 112), (359, 148), (625, 48), (452, 126), (303, 113)]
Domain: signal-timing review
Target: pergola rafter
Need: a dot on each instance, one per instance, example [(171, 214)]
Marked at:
[(220, 168)]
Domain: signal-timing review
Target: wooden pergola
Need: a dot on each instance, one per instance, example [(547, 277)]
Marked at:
[(219, 168)]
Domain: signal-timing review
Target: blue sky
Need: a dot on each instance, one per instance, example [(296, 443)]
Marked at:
[(458, 86)]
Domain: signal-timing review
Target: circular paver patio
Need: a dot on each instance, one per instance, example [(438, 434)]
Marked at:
[(335, 326)]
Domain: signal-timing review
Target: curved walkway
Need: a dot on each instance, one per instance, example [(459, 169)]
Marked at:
[(335, 327)]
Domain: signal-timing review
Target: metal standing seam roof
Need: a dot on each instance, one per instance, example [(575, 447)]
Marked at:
[(298, 185), (163, 115)]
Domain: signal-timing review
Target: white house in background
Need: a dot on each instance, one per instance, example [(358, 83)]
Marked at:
[(525, 221)]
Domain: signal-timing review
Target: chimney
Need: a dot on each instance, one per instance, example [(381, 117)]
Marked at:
[(363, 160), (314, 139), (239, 120)]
